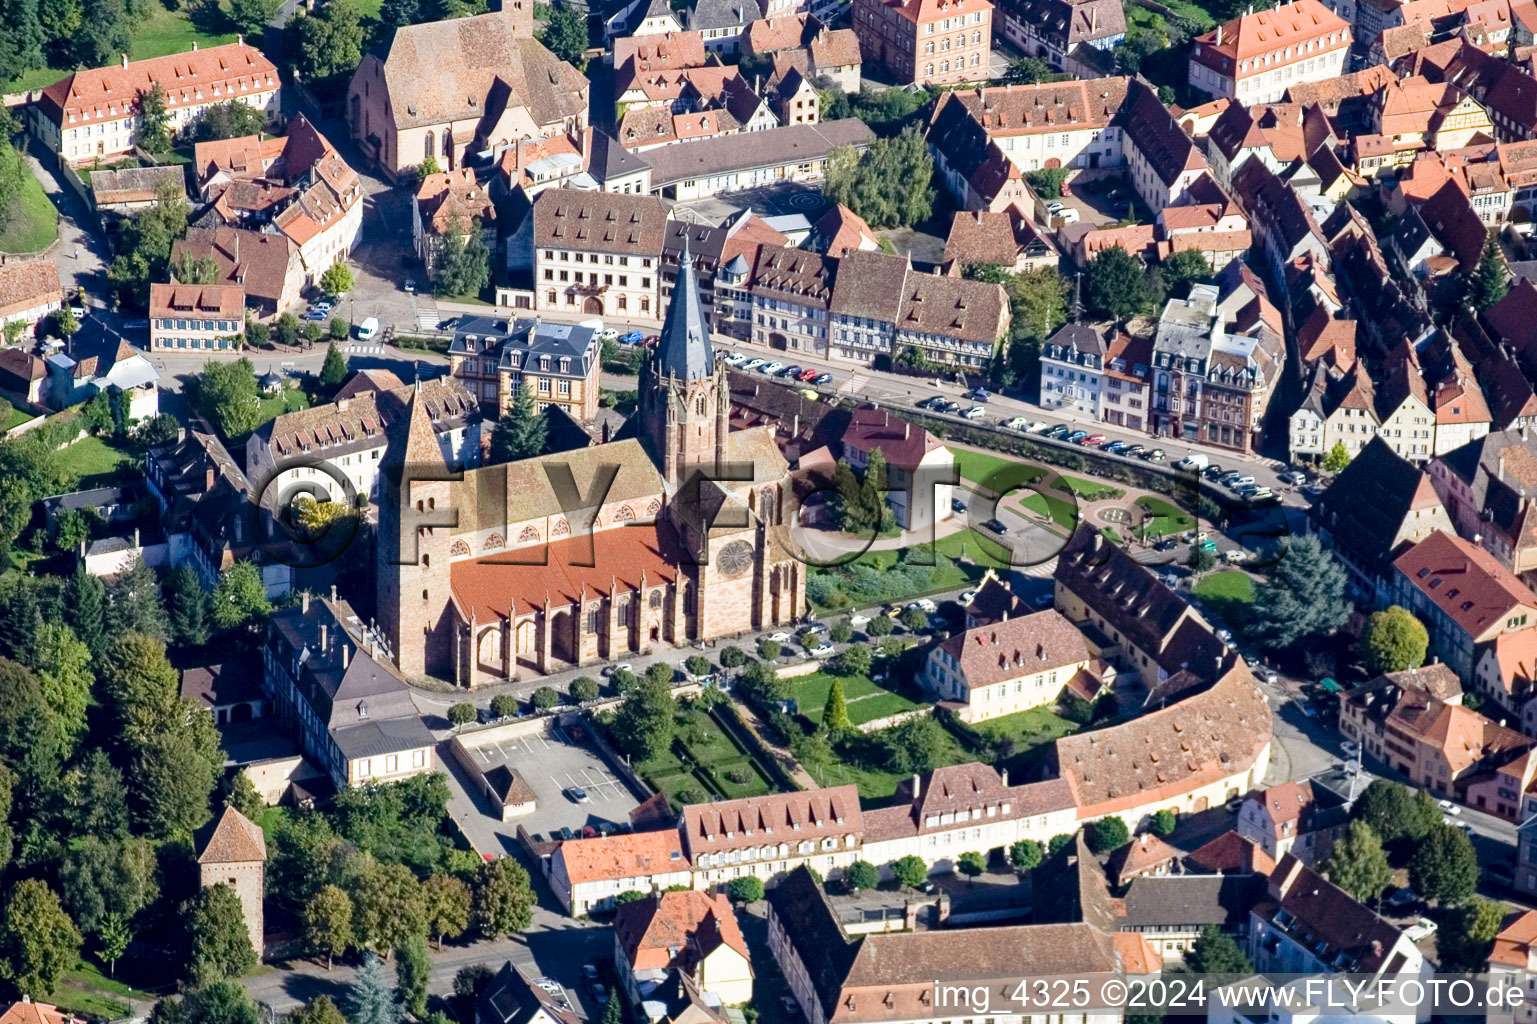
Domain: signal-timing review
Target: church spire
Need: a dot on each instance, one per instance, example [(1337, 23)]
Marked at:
[(684, 350)]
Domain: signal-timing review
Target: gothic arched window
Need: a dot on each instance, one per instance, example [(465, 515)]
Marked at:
[(624, 514), (459, 549), (562, 528), (529, 533), (495, 542)]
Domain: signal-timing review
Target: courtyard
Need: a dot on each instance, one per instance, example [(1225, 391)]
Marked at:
[(705, 762)]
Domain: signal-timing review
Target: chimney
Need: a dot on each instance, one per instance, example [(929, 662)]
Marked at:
[(1003, 776), (125, 60), (324, 630), (304, 602), (345, 652), (194, 46), (333, 591), (917, 786), (1219, 35), (136, 537)]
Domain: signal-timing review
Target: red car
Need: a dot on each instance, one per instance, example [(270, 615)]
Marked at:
[(1093, 440), (809, 375), (651, 339)]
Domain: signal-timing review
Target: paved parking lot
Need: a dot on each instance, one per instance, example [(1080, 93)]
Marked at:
[(552, 765)]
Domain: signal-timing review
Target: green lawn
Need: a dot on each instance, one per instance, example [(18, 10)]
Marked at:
[(1227, 593), (705, 759), (158, 34), (87, 991), (1167, 518), (37, 224), (979, 467), (867, 700), (1027, 728), (15, 419), (290, 400), (877, 577), (876, 785), (1061, 511), (92, 462)]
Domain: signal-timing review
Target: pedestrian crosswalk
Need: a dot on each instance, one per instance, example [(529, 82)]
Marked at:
[(1041, 570), (362, 350), (854, 385), (426, 314)]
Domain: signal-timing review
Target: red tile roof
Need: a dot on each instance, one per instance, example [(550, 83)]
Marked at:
[(903, 444), (1467, 583), (28, 285), (1016, 647), (677, 929), (632, 855), (226, 301), (791, 818), (1230, 854), (189, 79)]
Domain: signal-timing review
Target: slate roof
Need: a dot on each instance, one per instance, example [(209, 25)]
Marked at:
[(600, 221), (1119, 589), (1154, 132), (1371, 499), (1327, 920), (718, 14), (1179, 901), (795, 143)]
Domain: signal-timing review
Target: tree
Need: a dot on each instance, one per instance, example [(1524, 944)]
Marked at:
[(503, 903), (1025, 855), (1394, 640), (854, 661), (331, 42), (1358, 864), (565, 34), (505, 705), (222, 1002), (188, 607), (233, 119), (629, 896), (461, 714), (1303, 597), (1117, 287), (38, 941), (70, 530), (112, 940), (388, 908), (841, 632), (1107, 834), (286, 329), (1048, 181), (1165, 821), (880, 625), (257, 333), (221, 943), (583, 689), (1216, 953), (334, 370), (747, 889), (62, 323), (971, 864), (1467, 935), (338, 330), (371, 1000), (242, 796), (154, 130), (328, 922), (134, 605), (544, 698), (889, 185), (337, 280), (428, 166), (1444, 867), (770, 649), (862, 875), (1183, 269), (448, 907), (63, 667), (1337, 458), (1491, 278), (227, 394), (320, 1010), (171, 780), (915, 619), (252, 16), (697, 665), (835, 713), (240, 599), (413, 969), (910, 871), (521, 431), (1058, 842), (1395, 812), (733, 657), (313, 332), (463, 267), (107, 878), (643, 723)]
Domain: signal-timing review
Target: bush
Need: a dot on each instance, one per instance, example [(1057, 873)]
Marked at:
[(583, 689), (697, 665), (688, 795), (504, 705), (1108, 834), (1165, 821), (733, 657), (746, 889), (545, 698), (740, 776)]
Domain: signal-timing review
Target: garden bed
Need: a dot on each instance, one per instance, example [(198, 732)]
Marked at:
[(706, 761)]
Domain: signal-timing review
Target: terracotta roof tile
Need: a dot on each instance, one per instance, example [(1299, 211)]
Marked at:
[(189, 79), (1466, 583), (236, 839), (24, 285), (637, 854), (677, 930)]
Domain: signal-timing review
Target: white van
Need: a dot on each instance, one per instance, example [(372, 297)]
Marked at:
[(368, 328), (1193, 461)]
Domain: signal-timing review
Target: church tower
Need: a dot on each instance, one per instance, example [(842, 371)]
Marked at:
[(684, 399)]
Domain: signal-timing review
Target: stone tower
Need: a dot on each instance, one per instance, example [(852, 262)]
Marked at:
[(416, 516), (234, 853), (684, 400)]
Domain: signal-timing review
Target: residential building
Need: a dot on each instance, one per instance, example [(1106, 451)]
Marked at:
[(1376, 508), (587, 874), (29, 291), (23, 373), (28, 1012), (350, 711), (598, 253), (347, 438), (266, 266), (1073, 364), (926, 42), (689, 933), (1487, 486), (838, 977), (722, 23), (791, 91), (1334, 411), (951, 321), (1506, 672), (1126, 396), (1171, 912), (1007, 238), (796, 152), (122, 191), (209, 317), (1057, 124), (1013, 666), (1133, 620), (865, 305), (1055, 29), (93, 114), (233, 852), (1255, 58), (1293, 818), (918, 465), (1307, 925), (1164, 162), (449, 206), (91, 364), (1511, 962), (841, 231), (558, 161), (792, 293), (512, 997), (407, 105), (496, 358), (729, 839), (1463, 595), (1146, 856)]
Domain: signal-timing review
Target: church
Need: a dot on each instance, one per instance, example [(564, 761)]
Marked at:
[(674, 533)]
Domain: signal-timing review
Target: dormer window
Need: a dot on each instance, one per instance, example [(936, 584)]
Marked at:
[(362, 709)]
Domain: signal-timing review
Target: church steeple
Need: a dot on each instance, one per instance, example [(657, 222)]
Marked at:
[(684, 350)]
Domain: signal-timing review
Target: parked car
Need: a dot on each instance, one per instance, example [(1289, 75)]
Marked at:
[(1015, 423), (781, 637), (609, 334), (810, 374), (978, 395), (809, 395), (923, 604), (976, 412), (315, 314), (1448, 807), (1035, 427), (769, 369), (752, 364), (1153, 455), (996, 526), (1053, 208), (623, 666), (957, 505), (1076, 436), (578, 795), (631, 338), (1133, 450), (735, 359), (590, 972), (1058, 431), (410, 285), (1400, 898), (1112, 446), (822, 378), (967, 596), (859, 620), (1213, 472), (791, 371), (1239, 480), (822, 650), (789, 1005), (1232, 556), (1093, 441)]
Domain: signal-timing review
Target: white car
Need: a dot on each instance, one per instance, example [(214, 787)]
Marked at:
[(735, 359), (608, 334), (1035, 427), (859, 620), (1016, 423), (769, 369), (623, 666), (780, 637), (976, 412), (1448, 807), (1054, 208), (967, 596), (923, 604), (1067, 215), (822, 650), (752, 364)]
